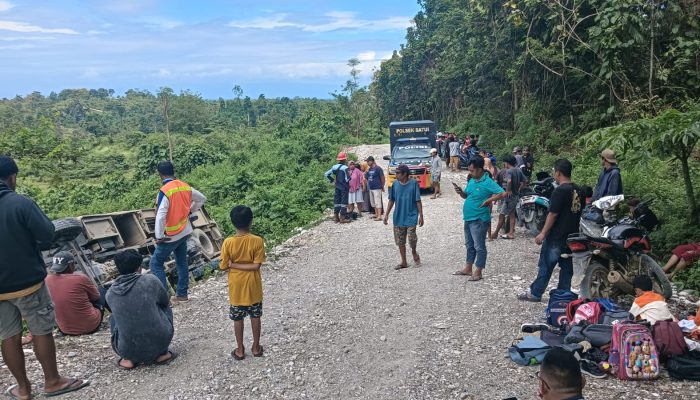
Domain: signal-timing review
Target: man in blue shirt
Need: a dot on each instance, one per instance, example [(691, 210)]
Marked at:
[(609, 181), (405, 194), (375, 181), (342, 188), (480, 191)]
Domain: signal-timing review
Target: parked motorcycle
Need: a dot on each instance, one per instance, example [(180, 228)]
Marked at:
[(608, 253), (533, 204)]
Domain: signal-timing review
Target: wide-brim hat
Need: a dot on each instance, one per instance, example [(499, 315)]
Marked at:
[(609, 156)]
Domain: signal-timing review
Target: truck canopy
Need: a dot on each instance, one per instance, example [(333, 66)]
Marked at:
[(424, 129)]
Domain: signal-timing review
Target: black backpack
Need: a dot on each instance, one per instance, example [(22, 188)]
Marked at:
[(686, 366)]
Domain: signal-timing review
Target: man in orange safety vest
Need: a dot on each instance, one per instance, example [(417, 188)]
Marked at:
[(176, 201)]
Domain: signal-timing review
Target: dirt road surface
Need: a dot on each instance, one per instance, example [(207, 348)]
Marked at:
[(346, 325)]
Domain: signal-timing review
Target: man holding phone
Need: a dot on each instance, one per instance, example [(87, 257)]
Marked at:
[(479, 193)]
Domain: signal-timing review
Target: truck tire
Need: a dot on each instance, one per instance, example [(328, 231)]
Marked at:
[(66, 229), (205, 243), (660, 281)]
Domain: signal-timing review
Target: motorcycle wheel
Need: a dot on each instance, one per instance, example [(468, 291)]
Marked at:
[(595, 282), (661, 283)]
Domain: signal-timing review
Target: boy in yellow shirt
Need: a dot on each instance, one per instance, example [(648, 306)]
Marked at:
[(242, 255)]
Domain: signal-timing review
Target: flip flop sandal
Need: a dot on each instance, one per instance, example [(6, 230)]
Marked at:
[(173, 356), (68, 388), (259, 354), (119, 364), (506, 237), (9, 394), (474, 278), (400, 266), (236, 356), (461, 273)]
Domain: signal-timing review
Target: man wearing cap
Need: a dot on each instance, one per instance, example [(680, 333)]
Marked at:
[(342, 188), (79, 305), (610, 180), (375, 183), (435, 172), (25, 228), (175, 202), (519, 159)]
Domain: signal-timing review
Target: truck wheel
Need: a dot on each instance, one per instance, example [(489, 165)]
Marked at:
[(660, 281), (595, 282), (205, 243), (66, 229)]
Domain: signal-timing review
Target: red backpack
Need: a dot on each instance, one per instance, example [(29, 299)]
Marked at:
[(668, 338), (583, 310)]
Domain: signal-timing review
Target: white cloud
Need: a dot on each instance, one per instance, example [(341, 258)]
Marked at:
[(90, 72), (160, 23), (5, 5), (367, 56), (337, 20), (29, 28), (163, 73)]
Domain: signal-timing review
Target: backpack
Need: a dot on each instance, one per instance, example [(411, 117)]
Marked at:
[(686, 366), (633, 354), (669, 339), (587, 312), (572, 306), (556, 307), (529, 351)]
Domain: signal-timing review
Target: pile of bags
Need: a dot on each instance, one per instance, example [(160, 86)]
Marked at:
[(608, 342)]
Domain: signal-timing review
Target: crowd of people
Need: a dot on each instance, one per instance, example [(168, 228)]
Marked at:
[(140, 306)]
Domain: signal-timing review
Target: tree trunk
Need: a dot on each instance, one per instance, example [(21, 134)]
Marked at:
[(692, 203)]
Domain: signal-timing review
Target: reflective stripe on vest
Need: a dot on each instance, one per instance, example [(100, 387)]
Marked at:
[(179, 196)]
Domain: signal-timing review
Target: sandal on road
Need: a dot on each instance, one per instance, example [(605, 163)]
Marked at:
[(9, 394), (173, 356), (259, 354), (400, 266), (71, 386), (461, 273), (507, 237), (119, 364), (236, 356), (475, 278)]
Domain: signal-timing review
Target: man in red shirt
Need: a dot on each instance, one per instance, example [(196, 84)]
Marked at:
[(78, 304)]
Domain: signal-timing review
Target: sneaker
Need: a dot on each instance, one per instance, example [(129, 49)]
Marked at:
[(178, 299), (532, 328), (526, 296), (590, 368)]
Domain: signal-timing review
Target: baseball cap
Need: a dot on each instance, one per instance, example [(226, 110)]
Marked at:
[(370, 158), (8, 167), (61, 261)]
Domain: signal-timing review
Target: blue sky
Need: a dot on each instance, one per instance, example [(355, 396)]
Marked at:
[(275, 47)]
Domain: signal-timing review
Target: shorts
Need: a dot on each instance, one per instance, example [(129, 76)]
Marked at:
[(35, 308), (688, 252), (355, 197), (375, 198), (237, 313), (435, 178), (454, 162), (403, 232), (507, 205)]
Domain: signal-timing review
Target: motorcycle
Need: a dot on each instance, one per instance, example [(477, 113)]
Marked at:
[(609, 253), (533, 204)]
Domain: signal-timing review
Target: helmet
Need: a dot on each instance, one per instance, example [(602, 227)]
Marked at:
[(341, 156)]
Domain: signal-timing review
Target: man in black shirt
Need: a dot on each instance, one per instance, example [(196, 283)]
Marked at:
[(563, 219)]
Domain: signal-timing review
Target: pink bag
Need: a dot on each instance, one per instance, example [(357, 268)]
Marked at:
[(588, 312)]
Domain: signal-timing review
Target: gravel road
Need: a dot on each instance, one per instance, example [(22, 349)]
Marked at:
[(348, 326)]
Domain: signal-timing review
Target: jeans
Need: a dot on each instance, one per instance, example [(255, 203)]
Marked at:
[(475, 240), (550, 255), (161, 254)]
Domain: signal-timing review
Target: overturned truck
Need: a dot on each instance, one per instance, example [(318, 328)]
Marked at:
[(95, 239)]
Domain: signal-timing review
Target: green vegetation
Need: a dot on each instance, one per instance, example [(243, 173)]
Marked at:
[(88, 151), (547, 73)]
